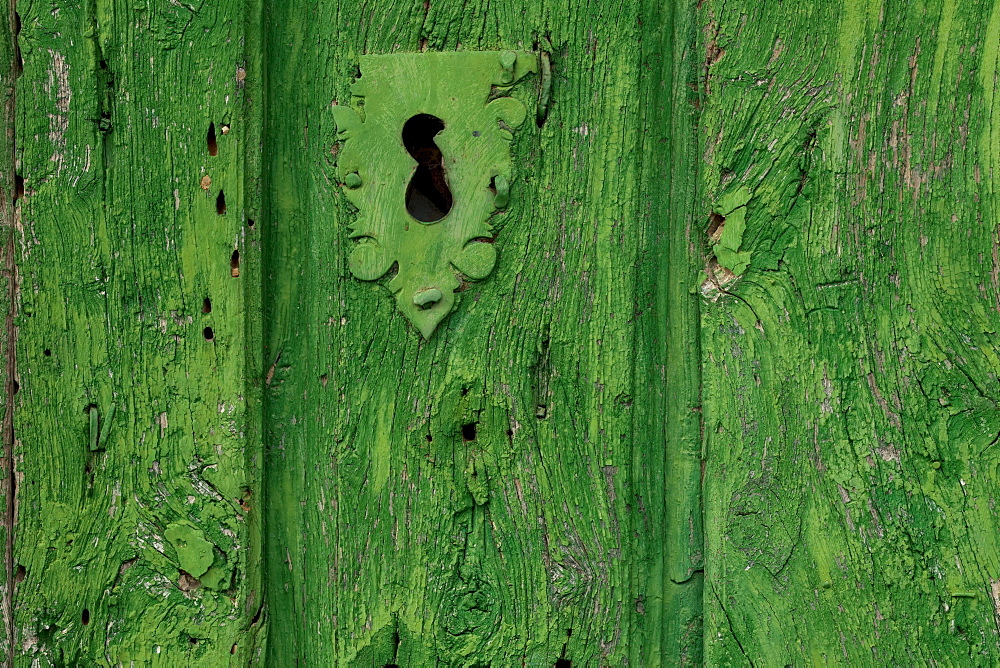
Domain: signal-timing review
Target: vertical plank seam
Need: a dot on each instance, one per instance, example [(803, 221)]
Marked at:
[(254, 182)]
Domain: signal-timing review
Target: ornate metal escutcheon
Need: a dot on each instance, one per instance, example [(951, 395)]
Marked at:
[(426, 160)]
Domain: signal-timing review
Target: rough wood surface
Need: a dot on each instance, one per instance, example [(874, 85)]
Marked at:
[(532, 483), (850, 373), (9, 68), (497, 495), (136, 448)]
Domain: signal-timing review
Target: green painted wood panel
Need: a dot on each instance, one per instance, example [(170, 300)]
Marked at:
[(8, 223), (136, 454), (518, 489), (850, 373), (747, 282)]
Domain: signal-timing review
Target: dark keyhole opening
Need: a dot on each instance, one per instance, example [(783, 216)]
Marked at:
[(428, 198)]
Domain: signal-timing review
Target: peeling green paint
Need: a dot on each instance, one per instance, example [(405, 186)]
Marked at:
[(495, 494), (135, 440), (194, 553), (732, 207), (850, 375), (794, 463)]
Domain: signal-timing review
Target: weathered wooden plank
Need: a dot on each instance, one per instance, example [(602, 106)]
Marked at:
[(9, 69), (492, 496), (667, 376), (135, 450), (850, 373)]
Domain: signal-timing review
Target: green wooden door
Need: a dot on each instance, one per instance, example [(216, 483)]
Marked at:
[(727, 397)]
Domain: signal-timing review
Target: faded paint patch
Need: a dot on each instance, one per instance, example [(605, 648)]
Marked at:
[(57, 85)]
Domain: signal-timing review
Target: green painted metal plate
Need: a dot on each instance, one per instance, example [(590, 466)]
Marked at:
[(462, 102)]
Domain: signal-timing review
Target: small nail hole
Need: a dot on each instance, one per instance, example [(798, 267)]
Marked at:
[(85, 617), (469, 431), (250, 223), (234, 264), (430, 439), (213, 145), (209, 334), (465, 391), (47, 352), (220, 203), (510, 433), (206, 306)]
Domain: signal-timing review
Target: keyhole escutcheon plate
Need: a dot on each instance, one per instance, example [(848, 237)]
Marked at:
[(426, 160)]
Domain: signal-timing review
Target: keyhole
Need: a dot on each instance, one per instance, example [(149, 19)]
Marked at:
[(428, 198)]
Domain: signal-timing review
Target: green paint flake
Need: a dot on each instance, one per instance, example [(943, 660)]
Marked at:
[(727, 250), (194, 553), (733, 200)]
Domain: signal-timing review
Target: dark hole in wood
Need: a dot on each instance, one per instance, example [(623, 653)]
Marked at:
[(232, 650), (510, 433), (715, 222), (392, 665), (209, 334), (428, 198), (213, 145), (19, 59), (206, 306), (193, 641), (465, 391), (220, 203), (17, 387), (234, 264), (47, 352), (469, 431), (564, 663), (430, 439), (250, 223), (18, 187), (85, 617), (20, 574)]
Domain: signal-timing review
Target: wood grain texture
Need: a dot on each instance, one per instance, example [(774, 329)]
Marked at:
[(496, 495), (850, 374), (9, 70), (136, 442)]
